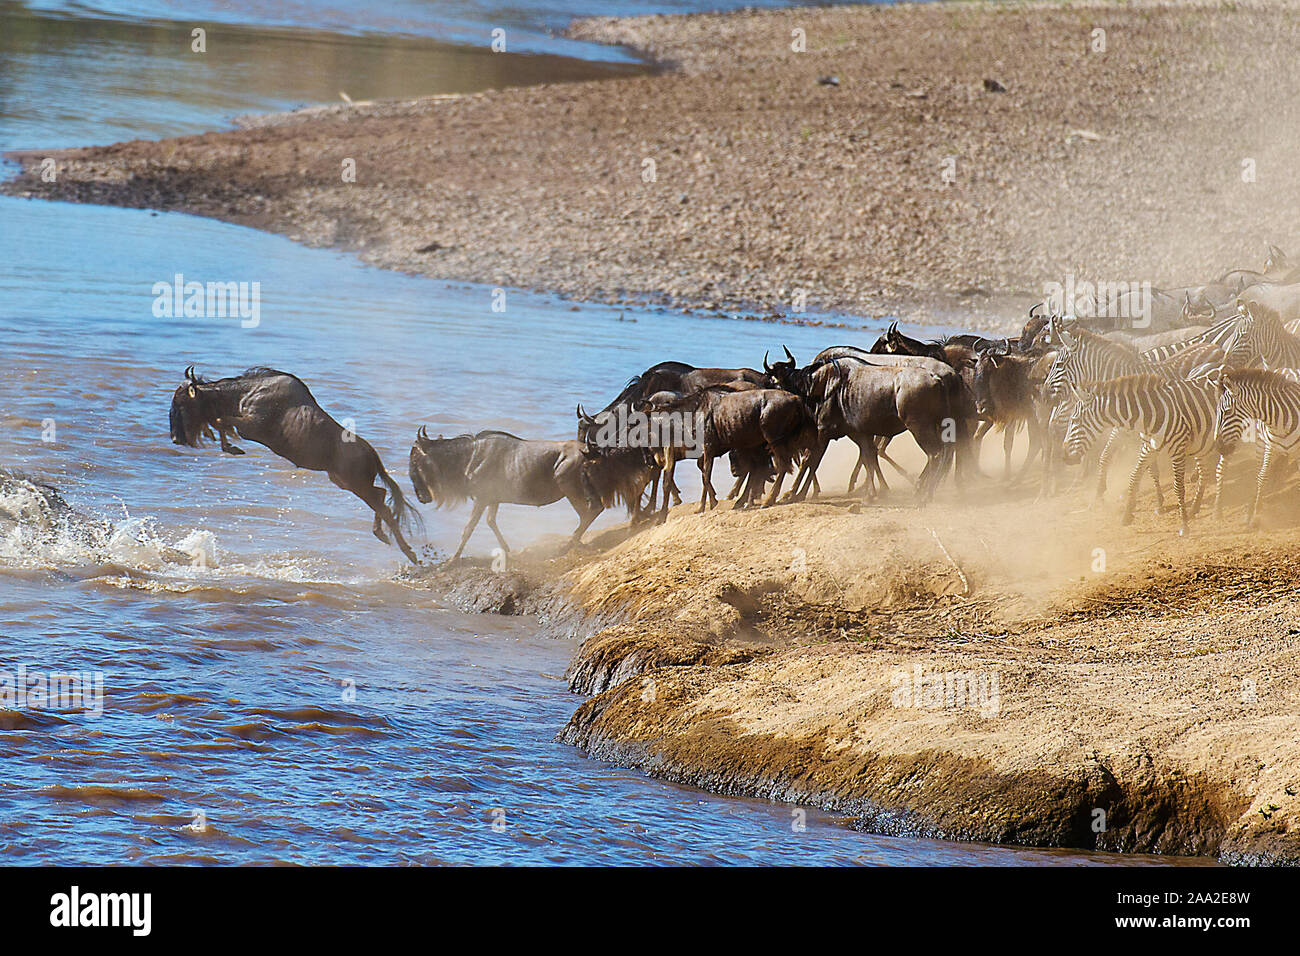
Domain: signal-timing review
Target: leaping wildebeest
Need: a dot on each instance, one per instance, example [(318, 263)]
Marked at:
[(493, 468), (277, 410)]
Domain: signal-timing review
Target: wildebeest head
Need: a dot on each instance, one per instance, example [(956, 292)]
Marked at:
[(780, 374), (1197, 308), (589, 429), (437, 468), (986, 366), (190, 422)]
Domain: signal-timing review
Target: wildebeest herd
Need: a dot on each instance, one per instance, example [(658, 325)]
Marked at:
[(1188, 384)]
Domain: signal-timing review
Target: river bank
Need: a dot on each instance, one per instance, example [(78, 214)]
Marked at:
[(1124, 690), (875, 172)]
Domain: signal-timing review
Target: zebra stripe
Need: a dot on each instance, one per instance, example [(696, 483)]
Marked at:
[(1217, 334), (1260, 336), (1269, 399), (1169, 415)]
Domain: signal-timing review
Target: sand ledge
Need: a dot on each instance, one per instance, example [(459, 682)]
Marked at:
[(760, 653)]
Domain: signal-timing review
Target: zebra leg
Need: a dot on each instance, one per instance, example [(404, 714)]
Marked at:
[(1264, 466), (1200, 486), (1179, 465), (1103, 462), (1155, 479), (1143, 454), (1218, 491)]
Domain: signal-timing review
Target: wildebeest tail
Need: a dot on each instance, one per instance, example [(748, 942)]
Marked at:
[(407, 518)]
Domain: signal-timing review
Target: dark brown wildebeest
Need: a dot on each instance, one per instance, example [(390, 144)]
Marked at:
[(676, 377), (1006, 395), (863, 401), (742, 422), (277, 410), (493, 468), (958, 355)]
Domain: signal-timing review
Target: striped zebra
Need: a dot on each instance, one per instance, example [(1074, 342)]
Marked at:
[(1260, 337), (1085, 358), (1177, 417), (1217, 334), (1269, 403)]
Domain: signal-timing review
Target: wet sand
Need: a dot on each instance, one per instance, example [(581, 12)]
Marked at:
[(772, 189)]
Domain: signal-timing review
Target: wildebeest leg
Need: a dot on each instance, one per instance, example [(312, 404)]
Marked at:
[(375, 497), (808, 471), (1008, 444), (881, 445), (587, 513), (228, 448), (1036, 446), (706, 479), (469, 528), (670, 486), (492, 523), (853, 475), (781, 465)]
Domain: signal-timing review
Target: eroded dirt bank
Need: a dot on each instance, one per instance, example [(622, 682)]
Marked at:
[(874, 171), (1126, 689)]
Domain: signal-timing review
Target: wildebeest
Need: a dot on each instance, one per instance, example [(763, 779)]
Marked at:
[(863, 401), (674, 377), (277, 410), (493, 468), (743, 421), (959, 355), (1006, 395)]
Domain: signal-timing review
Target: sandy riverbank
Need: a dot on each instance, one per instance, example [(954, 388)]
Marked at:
[(1144, 704), (1117, 165)]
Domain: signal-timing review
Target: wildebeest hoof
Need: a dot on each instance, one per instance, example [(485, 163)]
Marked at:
[(232, 450)]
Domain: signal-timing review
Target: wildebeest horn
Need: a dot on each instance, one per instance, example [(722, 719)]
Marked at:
[(583, 416), (422, 433), (189, 375), (766, 366), (787, 352), (1035, 309)]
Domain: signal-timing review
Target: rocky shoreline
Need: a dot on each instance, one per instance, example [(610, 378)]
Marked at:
[(935, 161)]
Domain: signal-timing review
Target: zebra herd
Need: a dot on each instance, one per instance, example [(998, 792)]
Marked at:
[(1197, 397)]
